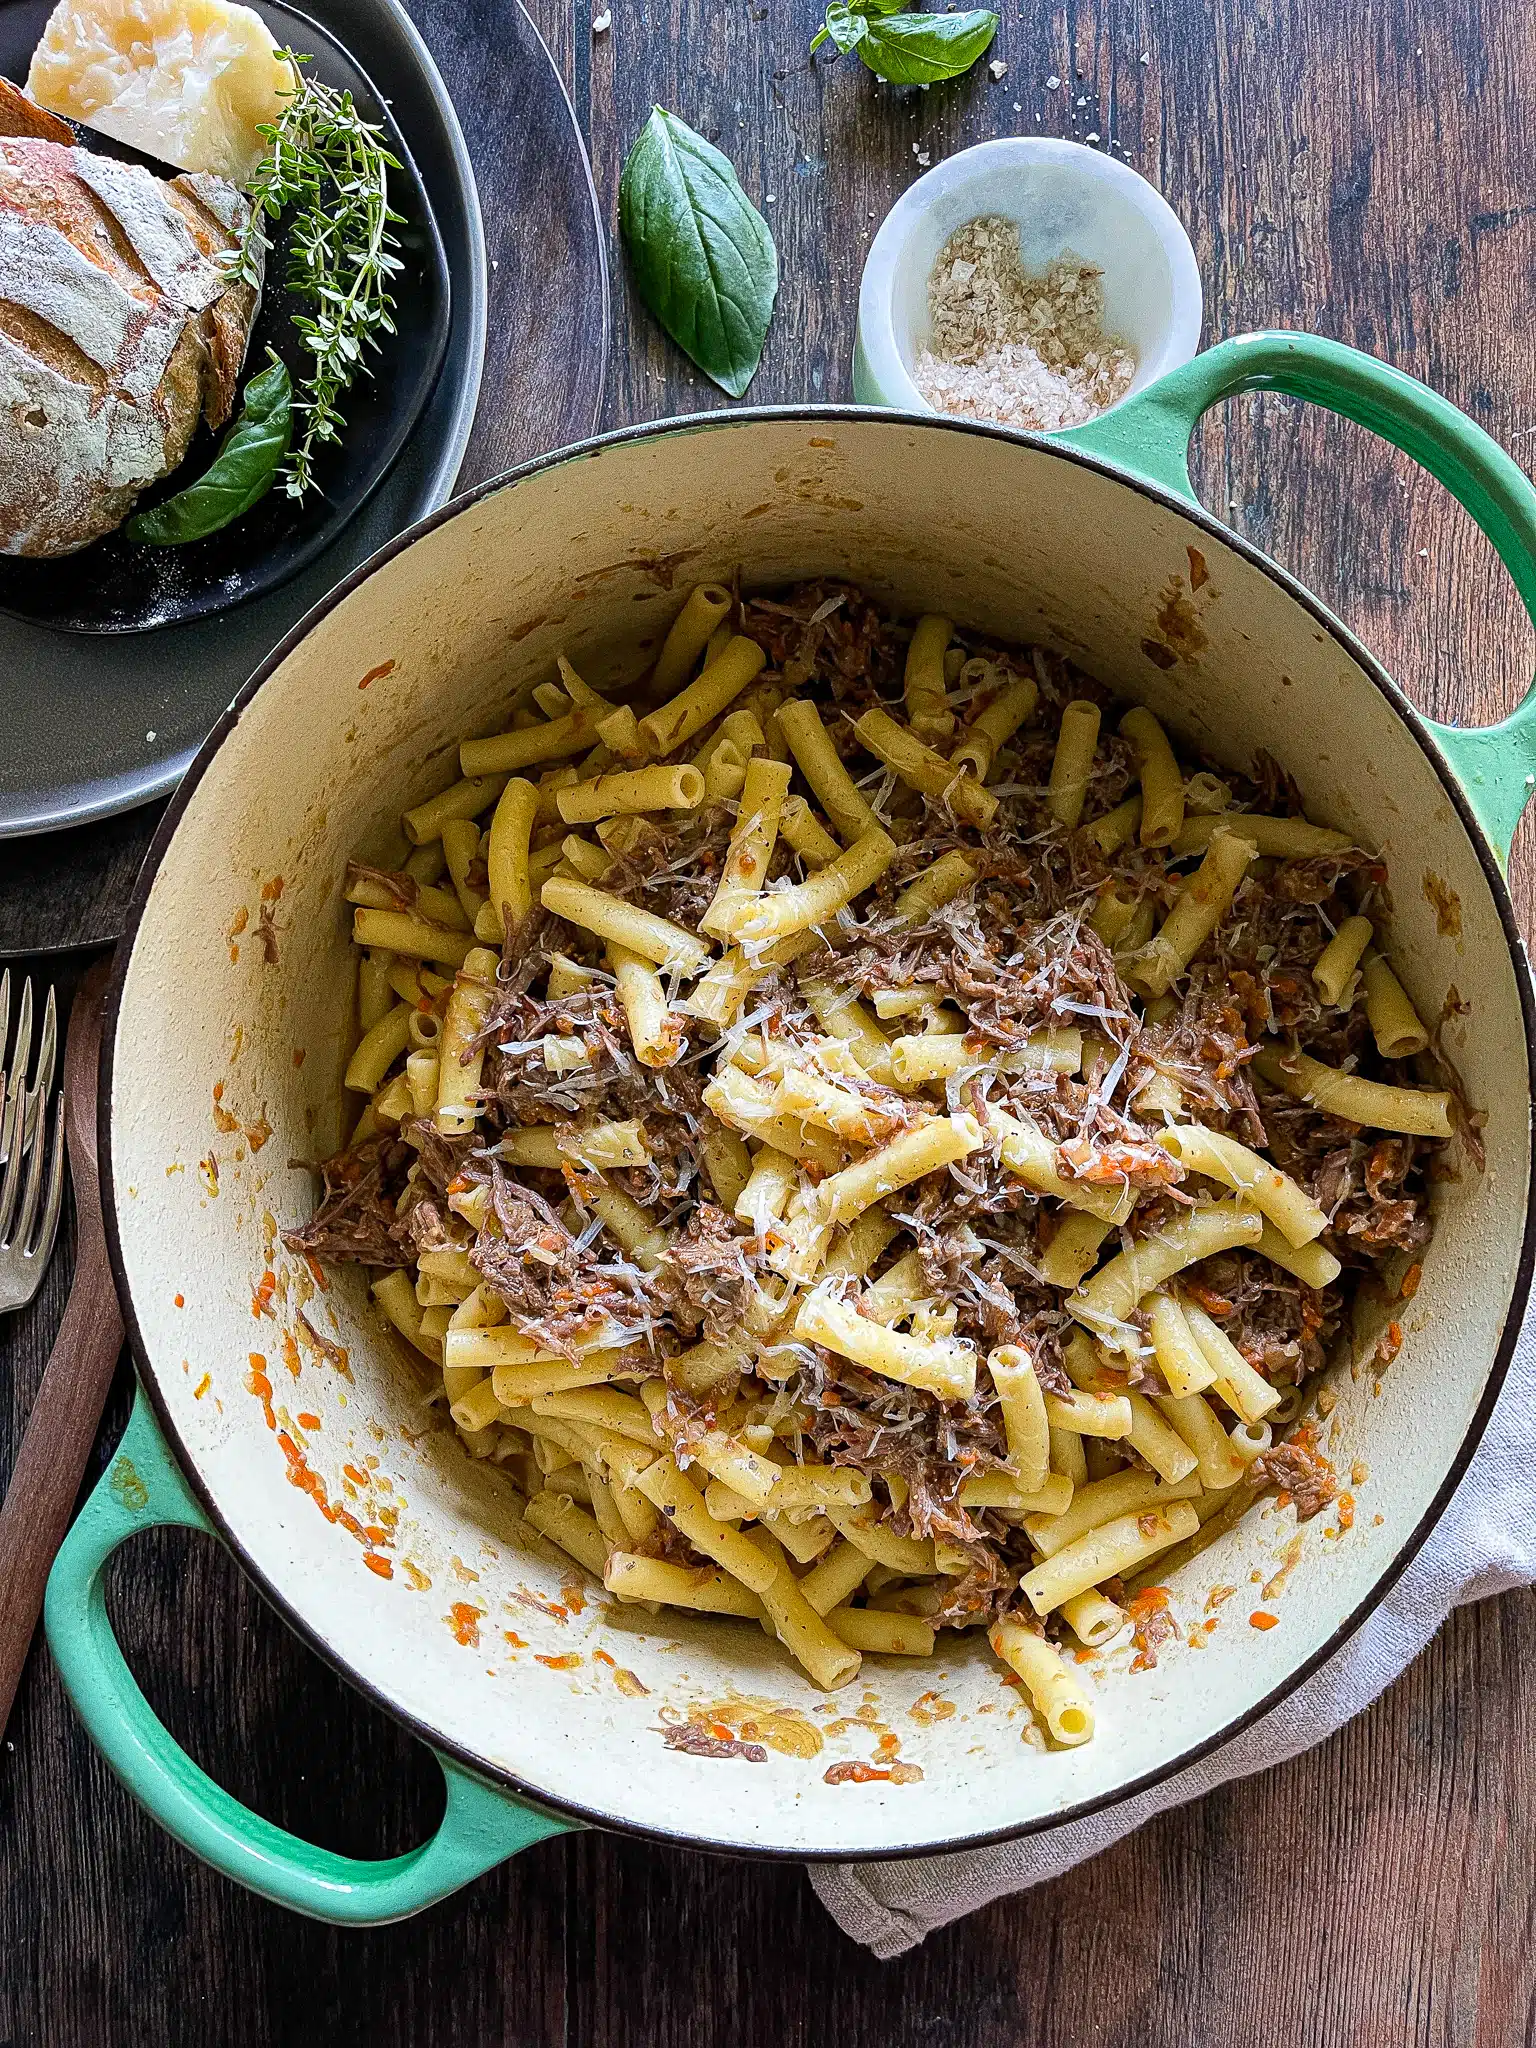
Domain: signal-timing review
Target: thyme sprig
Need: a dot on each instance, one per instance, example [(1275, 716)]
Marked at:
[(329, 164)]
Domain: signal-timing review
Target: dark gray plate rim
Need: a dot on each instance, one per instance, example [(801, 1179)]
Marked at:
[(680, 1837), (470, 301)]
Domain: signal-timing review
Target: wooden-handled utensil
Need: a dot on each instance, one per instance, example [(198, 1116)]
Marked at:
[(62, 1426)]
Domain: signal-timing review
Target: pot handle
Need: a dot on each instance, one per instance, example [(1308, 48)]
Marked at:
[(1149, 434), (481, 1826)]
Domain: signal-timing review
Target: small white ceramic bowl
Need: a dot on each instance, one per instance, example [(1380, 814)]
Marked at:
[(1063, 197)]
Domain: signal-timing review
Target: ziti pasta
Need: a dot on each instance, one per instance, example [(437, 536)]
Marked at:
[(877, 1143)]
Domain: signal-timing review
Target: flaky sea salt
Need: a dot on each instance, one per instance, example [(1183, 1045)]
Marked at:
[(1029, 351)]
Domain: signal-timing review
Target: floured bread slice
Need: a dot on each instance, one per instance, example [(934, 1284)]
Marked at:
[(185, 80), (117, 333)]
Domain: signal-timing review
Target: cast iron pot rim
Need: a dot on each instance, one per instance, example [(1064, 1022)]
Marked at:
[(714, 422)]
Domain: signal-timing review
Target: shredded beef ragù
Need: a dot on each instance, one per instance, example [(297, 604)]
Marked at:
[(782, 1221)]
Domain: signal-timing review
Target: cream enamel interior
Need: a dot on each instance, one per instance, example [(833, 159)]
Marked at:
[(589, 556)]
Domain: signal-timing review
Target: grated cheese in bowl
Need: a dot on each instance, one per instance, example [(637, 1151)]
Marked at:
[(1026, 350)]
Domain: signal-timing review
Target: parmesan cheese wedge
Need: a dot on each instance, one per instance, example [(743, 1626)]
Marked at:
[(185, 80)]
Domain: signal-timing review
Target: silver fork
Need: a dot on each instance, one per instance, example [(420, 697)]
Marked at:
[(31, 1165)]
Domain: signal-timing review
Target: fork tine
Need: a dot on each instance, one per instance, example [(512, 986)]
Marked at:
[(5, 1028), (47, 1229), (18, 1067), (42, 1080), (15, 1112), (15, 1098), (21, 1235)]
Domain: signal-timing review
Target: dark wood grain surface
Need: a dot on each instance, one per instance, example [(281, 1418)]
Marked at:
[(1361, 170)]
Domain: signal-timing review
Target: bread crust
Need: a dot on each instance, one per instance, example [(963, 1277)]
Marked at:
[(117, 334)]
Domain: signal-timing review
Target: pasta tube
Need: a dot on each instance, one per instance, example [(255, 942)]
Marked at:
[(815, 901), (508, 753), (1203, 902), (1334, 969), (1162, 786), (1025, 1150), (655, 1034), (1058, 1694), (911, 1556), (901, 749), (800, 828), (692, 709), (1272, 838), (829, 1660), (836, 1578), (1312, 1264), (678, 1585), (1273, 1193), (994, 727), (466, 799), (705, 609), (949, 876), (1419, 1112), (745, 1104), (1239, 1385), (625, 924), (1127, 1492), (819, 762), (1072, 763), (1394, 1022), (378, 1049), (1093, 1619), (1073, 1252), (945, 1366), (1110, 1551), (844, 1018), (1025, 1423), (556, 1516), (681, 1502), (923, 684), (460, 1058), (1117, 828), (1101, 1415), (1181, 1361), (752, 842), (510, 886), (1217, 1464), (629, 791), (885, 1635), (1104, 1302), (396, 931), (917, 1152)]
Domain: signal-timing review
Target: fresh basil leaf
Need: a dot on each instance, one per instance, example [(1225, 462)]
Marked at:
[(925, 49), (846, 28), (242, 472), (702, 254), (846, 23)]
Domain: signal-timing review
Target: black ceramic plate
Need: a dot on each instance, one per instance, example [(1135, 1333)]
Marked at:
[(116, 586), (94, 723)]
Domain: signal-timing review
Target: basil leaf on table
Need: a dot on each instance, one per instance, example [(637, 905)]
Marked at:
[(702, 254), (242, 472), (909, 49)]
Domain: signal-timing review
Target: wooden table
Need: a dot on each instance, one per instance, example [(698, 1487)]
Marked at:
[(1360, 170)]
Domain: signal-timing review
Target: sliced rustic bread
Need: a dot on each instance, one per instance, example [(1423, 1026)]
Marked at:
[(117, 333)]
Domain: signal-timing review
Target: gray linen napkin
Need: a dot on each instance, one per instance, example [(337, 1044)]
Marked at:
[(1485, 1544)]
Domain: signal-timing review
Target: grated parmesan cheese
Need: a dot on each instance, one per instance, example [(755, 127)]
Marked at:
[(1029, 351)]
